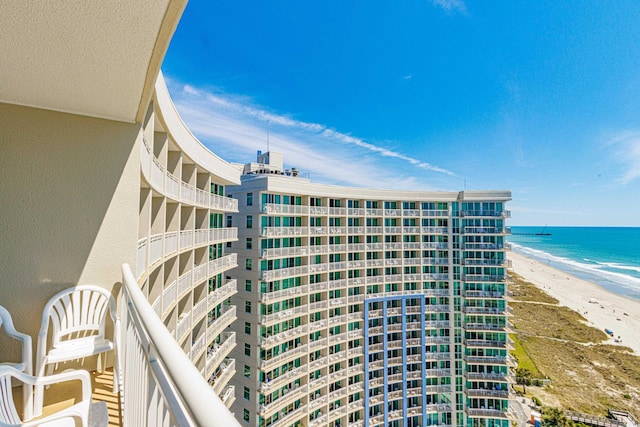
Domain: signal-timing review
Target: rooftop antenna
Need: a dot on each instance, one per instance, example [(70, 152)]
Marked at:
[(268, 125)]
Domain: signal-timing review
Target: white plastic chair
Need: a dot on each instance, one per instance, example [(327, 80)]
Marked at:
[(25, 365), (77, 317), (9, 416)]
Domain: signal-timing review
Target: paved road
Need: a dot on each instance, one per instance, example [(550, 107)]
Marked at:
[(522, 411)]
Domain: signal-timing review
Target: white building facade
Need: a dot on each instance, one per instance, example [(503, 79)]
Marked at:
[(366, 307)]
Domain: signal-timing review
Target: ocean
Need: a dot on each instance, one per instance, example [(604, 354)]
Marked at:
[(608, 256)]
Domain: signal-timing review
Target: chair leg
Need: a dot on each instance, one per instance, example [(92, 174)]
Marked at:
[(27, 398), (38, 395)]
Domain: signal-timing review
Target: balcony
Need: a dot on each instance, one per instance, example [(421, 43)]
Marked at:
[(506, 344), (284, 231), (164, 182), (489, 376), (276, 209), (269, 275), (495, 360), (497, 394), (268, 297), (487, 213), (159, 383), (272, 253), (489, 413)]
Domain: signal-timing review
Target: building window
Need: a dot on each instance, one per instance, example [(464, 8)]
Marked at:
[(249, 221), (229, 221), (245, 415), (247, 285), (247, 371), (247, 349), (249, 199), (247, 264), (247, 393), (247, 328), (249, 244), (247, 306)]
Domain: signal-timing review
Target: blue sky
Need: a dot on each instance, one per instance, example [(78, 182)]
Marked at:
[(538, 97)]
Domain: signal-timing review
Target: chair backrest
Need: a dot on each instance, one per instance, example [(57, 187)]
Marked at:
[(78, 311), (8, 412)]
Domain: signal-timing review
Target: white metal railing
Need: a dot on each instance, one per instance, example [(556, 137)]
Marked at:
[(223, 203), (284, 231), (170, 242), (184, 283), (145, 158), (187, 193), (157, 174), (222, 293), (186, 239), (155, 248), (284, 252), (217, 235), (141, 265), (172, 186), (269, 275), (168, 296), (160, 385), (272, 208)]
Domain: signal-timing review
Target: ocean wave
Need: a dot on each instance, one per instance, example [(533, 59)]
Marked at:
[(620, 266), (595, 270)]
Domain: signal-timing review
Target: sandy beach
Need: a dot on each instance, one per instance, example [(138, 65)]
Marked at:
[(611, 311)]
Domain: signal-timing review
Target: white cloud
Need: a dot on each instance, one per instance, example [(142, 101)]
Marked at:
[(236, 129), (626, 151), (451, 5)]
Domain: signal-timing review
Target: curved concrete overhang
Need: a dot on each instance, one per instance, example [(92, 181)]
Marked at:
[(92, 58), (188, 143)]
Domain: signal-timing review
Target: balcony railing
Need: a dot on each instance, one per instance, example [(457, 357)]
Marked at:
[(167, 183), (160, 385)]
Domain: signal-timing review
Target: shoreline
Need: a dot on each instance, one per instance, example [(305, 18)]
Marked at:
[(615, 312)]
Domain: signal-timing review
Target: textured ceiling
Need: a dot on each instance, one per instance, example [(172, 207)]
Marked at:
[(93, 58)]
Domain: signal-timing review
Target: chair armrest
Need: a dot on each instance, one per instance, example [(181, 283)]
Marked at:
[(71, 412), (82, 376), (27, 349)]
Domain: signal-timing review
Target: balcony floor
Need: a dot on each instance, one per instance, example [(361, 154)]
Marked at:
[(62, 396)]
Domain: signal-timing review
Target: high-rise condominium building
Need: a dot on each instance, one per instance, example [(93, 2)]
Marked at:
[(360, 307)]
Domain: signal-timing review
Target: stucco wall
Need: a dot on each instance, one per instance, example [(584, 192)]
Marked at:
[(69, 212)]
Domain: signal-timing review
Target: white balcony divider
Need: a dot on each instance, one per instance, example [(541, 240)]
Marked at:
[(160, 385), (141, 265)]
